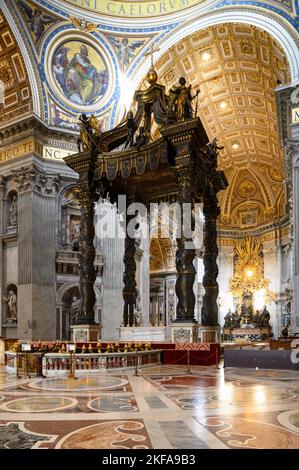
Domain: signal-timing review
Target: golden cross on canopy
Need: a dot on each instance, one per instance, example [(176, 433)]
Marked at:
[(151, 53)]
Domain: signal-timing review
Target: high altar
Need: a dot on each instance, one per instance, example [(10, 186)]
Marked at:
[(160, 153), (247, 322)]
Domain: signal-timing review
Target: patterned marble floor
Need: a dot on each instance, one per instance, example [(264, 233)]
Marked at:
[(165, 407)]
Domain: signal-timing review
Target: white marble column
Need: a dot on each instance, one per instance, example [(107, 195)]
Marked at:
[(113, 252), (294, 215), (144, 276), (2, 206), (272, 272), (226, 271)]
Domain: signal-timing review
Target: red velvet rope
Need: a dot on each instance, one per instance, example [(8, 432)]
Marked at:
[(209, 357), (175, 362)]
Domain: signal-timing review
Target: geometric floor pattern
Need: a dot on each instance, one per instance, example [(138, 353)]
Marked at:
[(164, 407)]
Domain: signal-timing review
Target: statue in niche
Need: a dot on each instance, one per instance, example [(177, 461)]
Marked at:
[(13, 211), (75, 309), (228, 320), (12, 306), (74, 231), (286, 330), (264, 318), (181, 100), (286, 316)]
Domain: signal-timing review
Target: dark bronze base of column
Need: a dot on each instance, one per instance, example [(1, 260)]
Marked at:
[(185, 320)]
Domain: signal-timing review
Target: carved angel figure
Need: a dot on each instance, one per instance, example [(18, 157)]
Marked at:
[(83, 25), (37, 19)]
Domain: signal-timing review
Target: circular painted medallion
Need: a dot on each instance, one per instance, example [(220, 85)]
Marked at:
[(247, 188), (79, 72)]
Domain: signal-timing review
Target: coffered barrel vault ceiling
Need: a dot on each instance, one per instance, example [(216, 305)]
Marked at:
[(17, 93), (237, 69)]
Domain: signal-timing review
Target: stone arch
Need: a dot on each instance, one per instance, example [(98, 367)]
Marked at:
[(64, 297), (268, 21)]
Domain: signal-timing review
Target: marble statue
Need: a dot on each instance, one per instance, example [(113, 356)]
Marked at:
[(138, 318), (13, 211), (75, 309), (264, 317), (228, 323), (12, 306), (74, 231)]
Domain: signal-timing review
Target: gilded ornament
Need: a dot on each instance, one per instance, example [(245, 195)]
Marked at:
[(249, 270), (247, 189), (83, 25), (246, 48), (275, 175)]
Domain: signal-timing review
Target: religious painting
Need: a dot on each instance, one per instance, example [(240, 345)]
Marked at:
[(126, 49), (37, 20), (248, 219), (80, 72), (63, 119)]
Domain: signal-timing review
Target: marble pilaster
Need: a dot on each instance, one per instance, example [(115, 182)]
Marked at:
[(36, 254), (2, 196), (145, 280), (113, 250), (295, 233)]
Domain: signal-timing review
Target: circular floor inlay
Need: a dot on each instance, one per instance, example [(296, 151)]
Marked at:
[(81, 384), (270, 374), (256, 394), (39, 404), (290, 420), (122, 434), (113, 403)]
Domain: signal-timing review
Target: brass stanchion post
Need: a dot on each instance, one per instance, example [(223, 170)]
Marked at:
[(72, 373), (188, 362)]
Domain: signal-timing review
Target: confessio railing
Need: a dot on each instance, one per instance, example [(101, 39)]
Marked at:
[(49, 364)]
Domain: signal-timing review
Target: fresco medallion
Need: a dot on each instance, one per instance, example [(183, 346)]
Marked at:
[(79, 72)]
